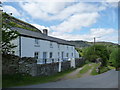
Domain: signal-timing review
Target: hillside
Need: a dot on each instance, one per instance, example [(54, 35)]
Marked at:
[(14, 22), (83, 44), (80, 44)]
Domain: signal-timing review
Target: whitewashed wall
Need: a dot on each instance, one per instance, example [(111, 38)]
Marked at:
[(28, 48), (16, 43)]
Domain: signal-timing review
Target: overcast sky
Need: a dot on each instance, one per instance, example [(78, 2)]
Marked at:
[(69, 20)]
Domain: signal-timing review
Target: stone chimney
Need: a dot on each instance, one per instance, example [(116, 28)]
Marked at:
[(45, 31)]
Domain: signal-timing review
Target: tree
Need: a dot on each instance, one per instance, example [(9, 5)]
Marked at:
[(79, 51), (7, 36), (97, 51), (115, 58)]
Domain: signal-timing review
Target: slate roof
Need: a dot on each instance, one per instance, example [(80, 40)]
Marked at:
[(28, 33)]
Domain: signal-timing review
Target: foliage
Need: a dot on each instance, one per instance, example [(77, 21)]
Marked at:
[(13, 24), (94, 72), (103, 69), (7, 36), (79, 51), (115, 58), (97, 51)]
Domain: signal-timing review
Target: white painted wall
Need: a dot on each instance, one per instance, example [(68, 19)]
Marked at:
[(16, 43), (28, 48)]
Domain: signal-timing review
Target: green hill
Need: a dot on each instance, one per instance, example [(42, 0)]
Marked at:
[(83, 44)]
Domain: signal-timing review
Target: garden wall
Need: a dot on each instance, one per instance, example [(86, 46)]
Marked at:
[(79, 62), (13, 64)]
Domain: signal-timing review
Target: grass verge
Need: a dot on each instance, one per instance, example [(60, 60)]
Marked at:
[(103, 69), (94, 72), (111, 67), (19, 80), (85, 68)]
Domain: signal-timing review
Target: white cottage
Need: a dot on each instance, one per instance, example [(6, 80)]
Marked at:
[(44, 48)]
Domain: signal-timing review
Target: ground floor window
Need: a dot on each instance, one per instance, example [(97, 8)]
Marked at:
[(36, 54)]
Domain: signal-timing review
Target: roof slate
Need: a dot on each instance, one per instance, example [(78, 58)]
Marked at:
[(28, 33)]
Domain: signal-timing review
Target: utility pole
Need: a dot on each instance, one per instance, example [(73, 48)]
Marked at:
[(94, 40), (94, 44)]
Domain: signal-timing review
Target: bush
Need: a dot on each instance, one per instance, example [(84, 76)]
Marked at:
[(97, 51), (115, 58)]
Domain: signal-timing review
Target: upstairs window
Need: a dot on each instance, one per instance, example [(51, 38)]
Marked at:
[(36, 41), (51, 45)]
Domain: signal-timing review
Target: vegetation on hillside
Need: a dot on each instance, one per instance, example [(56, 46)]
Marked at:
[(7, 36), (96, 52), (84, 44), (115, 58), (107, 54), (7, 19)]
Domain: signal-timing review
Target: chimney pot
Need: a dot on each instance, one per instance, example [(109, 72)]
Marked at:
[(45, 31)]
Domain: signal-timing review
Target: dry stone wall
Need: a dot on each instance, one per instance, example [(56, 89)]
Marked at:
[(13, 64)]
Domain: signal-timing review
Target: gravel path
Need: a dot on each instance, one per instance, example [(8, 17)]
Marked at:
[(72, 75), (76, 74)]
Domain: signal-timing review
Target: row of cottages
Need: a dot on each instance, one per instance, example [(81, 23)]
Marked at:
[(44, 48)]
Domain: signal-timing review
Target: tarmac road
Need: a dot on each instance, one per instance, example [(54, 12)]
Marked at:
[(105, 80)]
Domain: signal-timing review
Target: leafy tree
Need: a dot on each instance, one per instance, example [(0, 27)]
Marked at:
[(115, 58), (7, 36), (79, 51), (97, 51)]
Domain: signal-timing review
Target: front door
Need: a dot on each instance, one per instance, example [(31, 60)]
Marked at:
[(44, 57)]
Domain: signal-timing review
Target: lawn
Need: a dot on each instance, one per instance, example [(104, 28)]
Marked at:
[(19, 80)]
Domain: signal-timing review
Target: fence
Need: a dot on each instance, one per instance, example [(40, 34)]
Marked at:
[(52, 60)]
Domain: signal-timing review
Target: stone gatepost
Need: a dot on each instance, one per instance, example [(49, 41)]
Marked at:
[(59, 69), (73, 62)]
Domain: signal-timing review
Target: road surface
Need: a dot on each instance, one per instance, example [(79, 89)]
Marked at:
[(105, 80)]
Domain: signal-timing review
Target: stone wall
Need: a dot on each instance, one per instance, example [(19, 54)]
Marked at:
[(65, 65), (47, 69), (79, 62), (13, 64)]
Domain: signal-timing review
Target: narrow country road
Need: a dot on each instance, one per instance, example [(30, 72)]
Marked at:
[(105, 80)]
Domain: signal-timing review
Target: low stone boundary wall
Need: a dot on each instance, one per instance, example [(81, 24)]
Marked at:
[(46, 69), (79, 62), (13, 64)]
